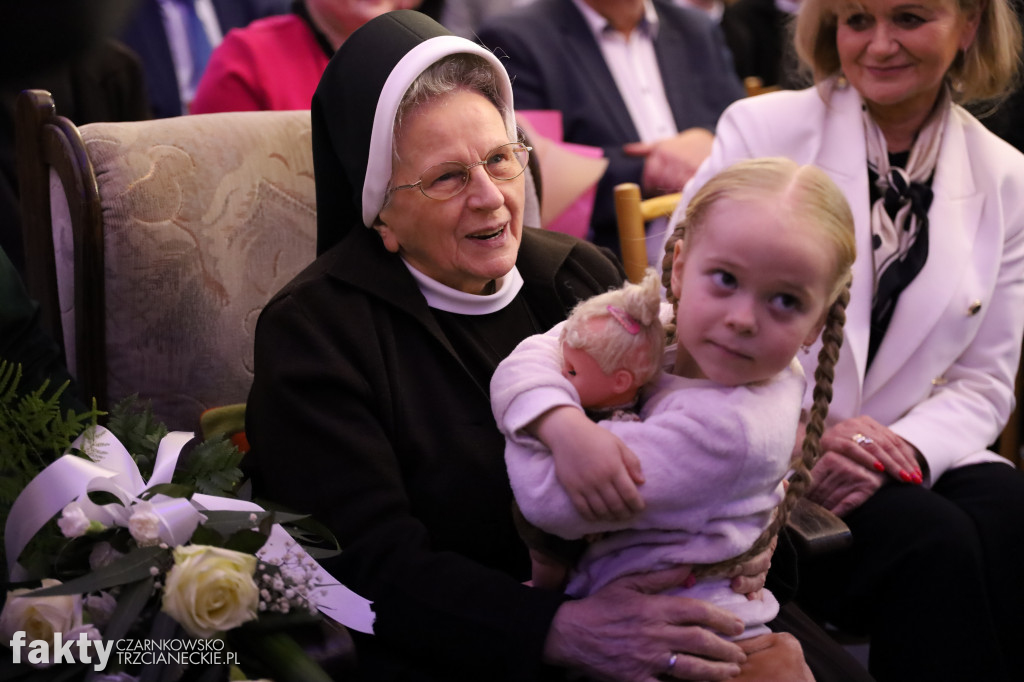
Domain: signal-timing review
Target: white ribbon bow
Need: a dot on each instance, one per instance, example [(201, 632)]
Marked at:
[(113, 470)]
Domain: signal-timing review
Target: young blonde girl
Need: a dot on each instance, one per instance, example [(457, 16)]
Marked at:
[(758, 267)]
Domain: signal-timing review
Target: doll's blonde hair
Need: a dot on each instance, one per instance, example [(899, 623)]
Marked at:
[(603, 326), (805, 193)]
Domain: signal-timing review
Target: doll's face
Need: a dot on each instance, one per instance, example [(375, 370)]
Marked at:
[(595, 388)]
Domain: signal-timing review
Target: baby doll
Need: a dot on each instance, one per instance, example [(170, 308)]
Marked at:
[(611, 346)]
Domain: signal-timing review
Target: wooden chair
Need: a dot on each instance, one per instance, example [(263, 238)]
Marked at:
[(152, 246), (755, 86), (632, 214)]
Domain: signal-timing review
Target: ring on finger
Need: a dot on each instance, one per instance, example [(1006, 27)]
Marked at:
[(861, 439), (672, 661)]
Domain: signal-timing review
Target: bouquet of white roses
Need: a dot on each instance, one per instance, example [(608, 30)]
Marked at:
[(139, 560)]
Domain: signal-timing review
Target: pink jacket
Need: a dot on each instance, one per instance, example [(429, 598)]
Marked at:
[(273, 64)]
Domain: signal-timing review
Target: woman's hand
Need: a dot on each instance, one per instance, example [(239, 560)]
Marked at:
[(749, 577), (859, 454), (875, 447), (626, 631), (599, 473)]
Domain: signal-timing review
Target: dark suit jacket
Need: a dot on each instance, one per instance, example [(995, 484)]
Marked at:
[(555, 63), (145, 34), (363, 414)]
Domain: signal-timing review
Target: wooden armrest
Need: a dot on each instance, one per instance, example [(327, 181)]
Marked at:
[(815, 530)]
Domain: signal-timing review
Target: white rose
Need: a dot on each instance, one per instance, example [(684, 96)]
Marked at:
[(210, 589), (39, 617), (73, 522), (144, 524)]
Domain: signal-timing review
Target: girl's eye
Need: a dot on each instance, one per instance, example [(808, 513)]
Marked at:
[(723, 279), (571, 372), (787, 303)]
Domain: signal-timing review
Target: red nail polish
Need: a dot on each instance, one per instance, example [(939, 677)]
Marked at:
[(905, 477), (878, 466), (917, 478)]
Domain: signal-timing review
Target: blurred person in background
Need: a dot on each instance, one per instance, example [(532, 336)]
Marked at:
[(174, 39), (274, 64)]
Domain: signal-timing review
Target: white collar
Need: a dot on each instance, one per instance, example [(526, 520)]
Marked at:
[(443, 297)]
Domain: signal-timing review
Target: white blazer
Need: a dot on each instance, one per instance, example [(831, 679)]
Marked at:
[(943, 377)]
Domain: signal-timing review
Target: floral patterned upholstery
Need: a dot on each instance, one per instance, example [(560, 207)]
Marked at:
[(203, 219)]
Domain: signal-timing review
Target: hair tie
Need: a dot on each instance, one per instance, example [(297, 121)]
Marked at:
[(625, 319)]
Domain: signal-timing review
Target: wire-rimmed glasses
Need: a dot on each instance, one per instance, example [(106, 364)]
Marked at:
[(445, 180)]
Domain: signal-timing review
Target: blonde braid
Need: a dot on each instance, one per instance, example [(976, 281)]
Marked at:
[(832, 341), (810, 451)]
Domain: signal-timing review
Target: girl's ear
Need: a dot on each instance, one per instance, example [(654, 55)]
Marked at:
[(386, 235), (677, 268), (815, 332)]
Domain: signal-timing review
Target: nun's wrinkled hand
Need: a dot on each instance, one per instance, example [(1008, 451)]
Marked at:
[(841, 485), (628, 631)]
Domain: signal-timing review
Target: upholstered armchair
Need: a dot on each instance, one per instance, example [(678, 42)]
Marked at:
[(153, 246)]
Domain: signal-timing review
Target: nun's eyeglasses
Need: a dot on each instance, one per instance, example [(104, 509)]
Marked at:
[(447, 179)]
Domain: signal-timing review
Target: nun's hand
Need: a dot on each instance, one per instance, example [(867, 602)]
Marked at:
[(627, 631)]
